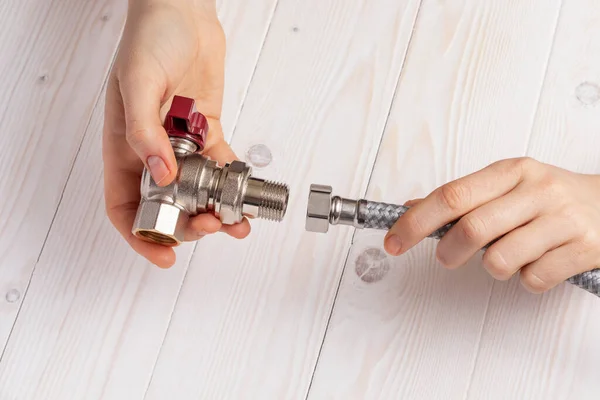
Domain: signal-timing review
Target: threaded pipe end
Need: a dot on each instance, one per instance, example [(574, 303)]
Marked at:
[(273, 201)]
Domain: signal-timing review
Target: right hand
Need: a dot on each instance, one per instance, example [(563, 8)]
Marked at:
[(168, 48)]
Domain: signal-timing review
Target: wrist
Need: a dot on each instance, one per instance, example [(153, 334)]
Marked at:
[(204, 9)]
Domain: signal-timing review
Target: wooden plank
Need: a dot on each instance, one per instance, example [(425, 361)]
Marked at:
[(404, 327), (550, 342), (242, 58), (53, 59), (89, 301), (251, 315), (96, 314)]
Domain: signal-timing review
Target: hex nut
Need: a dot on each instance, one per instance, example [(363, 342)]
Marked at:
[(319, 208), (159, 222), (230, 210)]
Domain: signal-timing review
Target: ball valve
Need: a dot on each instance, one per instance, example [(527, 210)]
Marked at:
[(229, 192)]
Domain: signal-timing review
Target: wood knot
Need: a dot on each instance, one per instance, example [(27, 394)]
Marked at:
[(12, 296), (588, 93), (372, 265), (259, 156)]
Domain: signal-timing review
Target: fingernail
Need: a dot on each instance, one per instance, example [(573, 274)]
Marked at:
[(158, 168), (393, 245)]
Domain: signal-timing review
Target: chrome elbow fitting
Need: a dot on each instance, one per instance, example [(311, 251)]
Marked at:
[(229, 192)]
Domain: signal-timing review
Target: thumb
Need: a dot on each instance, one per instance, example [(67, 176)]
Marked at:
[(221, 152), (144, 131), (216, 146)]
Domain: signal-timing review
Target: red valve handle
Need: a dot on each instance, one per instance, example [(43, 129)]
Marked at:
[(184, 121)]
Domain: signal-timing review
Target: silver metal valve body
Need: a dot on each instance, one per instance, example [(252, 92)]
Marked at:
[(201, 186)]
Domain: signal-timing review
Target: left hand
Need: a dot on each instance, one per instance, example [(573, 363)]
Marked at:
[(547, 220)]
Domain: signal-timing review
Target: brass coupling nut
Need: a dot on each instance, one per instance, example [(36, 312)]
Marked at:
[(229, 192)]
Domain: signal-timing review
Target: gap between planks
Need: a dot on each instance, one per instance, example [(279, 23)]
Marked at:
[(401, 70), (191, 255), (68, 177), (527, 151), (390, 79), (544, 77), (95, 383), (539, 72)]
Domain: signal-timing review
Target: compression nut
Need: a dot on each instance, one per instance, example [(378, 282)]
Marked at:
[(319, 208), (324, 209)]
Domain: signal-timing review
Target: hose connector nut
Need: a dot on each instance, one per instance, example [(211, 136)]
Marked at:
[(319, 208), (324, 210)]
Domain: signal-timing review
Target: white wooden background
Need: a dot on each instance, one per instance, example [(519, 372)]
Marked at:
[(403, 95)]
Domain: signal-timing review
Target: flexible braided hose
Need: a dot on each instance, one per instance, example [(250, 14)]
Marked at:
[(383, 216)]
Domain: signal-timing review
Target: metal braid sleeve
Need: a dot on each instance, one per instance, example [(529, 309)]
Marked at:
[(383, 216)]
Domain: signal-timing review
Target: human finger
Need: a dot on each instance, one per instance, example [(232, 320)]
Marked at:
[(487, 223), (239, 230), (449, 202), (216, 147), (526, 244), (201, 225), (413, 202), (142, 93), (559, 265), (122, 174)]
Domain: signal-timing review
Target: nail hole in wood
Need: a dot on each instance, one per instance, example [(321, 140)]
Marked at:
[(259, 156), (13, 296), (372, 265), (588, 93)]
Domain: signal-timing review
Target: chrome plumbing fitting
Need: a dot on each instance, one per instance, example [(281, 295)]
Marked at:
[(229, 192), (323, 210)]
